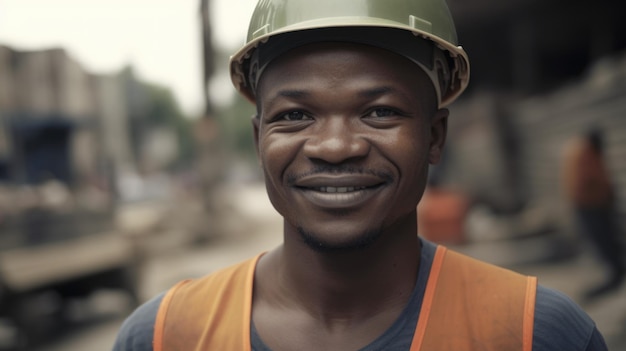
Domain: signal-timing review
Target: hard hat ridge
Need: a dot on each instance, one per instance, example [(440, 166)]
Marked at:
[(422, 52)]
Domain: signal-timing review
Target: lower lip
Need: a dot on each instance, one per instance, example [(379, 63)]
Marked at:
[(340, 200)]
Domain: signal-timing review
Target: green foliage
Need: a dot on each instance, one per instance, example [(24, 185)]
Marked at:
[(162, 110), (236, 126)]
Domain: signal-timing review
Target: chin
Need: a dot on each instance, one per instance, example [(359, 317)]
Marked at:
[(324, 244)]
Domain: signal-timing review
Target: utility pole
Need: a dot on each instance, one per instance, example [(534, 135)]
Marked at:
[(210, 156), (208, 54)]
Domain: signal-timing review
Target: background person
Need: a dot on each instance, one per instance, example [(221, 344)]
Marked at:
[(591, 194)]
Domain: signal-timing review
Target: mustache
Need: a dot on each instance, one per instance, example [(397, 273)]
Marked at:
[(339, 169)]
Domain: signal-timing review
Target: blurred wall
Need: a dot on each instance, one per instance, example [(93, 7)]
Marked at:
[(541, 73)]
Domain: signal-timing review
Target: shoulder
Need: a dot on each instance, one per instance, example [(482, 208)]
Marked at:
[(136, 333), (214, 285), (560, 324)]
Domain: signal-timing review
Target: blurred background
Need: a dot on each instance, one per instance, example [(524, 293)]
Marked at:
[(127, 163)]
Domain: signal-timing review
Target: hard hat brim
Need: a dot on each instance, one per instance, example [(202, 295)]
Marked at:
[(418, 28)]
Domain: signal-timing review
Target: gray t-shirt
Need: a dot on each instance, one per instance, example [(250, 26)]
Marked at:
[(559, 325)]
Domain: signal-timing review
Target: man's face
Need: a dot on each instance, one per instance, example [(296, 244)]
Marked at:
[(345, 134)]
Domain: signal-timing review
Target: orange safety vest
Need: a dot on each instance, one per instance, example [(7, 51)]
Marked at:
[(468, 305)]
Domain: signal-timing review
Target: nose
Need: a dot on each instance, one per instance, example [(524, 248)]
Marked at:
[(336, 140)]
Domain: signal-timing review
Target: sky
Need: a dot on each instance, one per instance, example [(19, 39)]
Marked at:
[(161, 39)]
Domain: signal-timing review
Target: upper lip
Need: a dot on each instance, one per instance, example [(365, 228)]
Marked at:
[(339, 181)]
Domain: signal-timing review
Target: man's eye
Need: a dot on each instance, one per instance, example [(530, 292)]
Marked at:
[(294, 116), (382, 112)]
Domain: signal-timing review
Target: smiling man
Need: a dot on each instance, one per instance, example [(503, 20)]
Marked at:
[(345, 150), (351, 100)]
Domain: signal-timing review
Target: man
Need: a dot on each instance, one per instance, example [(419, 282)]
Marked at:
[(351, 100), (591, 194)]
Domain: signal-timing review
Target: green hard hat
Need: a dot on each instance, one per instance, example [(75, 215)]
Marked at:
[(421, 30)]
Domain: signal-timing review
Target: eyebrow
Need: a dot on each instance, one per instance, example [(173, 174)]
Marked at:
[(292, 93), (289, 94), (377, 91), (298, 93)]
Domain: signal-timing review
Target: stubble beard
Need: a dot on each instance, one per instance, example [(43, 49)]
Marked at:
[(363, 241)]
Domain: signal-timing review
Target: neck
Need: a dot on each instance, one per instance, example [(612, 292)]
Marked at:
[(353, 284)]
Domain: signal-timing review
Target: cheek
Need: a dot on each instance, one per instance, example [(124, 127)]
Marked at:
[(411, 149), (274, 150), (273, 169), (412, 161), (277, 153)]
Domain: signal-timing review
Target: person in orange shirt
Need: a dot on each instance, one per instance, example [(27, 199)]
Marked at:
[(591, 194), (442, 213)]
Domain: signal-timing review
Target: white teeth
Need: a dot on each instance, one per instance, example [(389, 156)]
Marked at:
[(342, 189)]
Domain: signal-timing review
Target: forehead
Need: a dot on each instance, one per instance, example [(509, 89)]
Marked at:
[(341, 64)]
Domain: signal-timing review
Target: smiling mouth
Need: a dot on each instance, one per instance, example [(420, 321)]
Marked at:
[(334, 191), (339, 189), (339, 197)]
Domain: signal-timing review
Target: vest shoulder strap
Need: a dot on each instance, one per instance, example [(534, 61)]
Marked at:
[(473, 305), (468, 305), (210, 313)]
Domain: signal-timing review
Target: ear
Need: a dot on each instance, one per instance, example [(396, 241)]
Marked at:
[(255, 131), (438, 132)]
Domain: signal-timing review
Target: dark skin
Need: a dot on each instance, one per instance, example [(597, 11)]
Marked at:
[(345, 152)]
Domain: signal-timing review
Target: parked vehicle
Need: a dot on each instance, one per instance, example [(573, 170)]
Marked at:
[(58, 239)]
